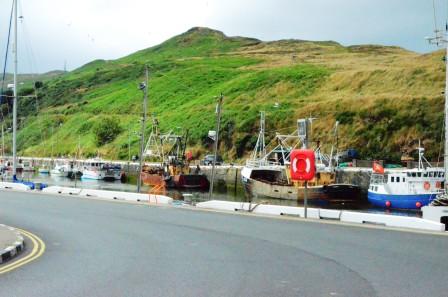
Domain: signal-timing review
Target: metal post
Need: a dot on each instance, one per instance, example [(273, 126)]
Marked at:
[(14, 108), (236, 182), (445, 159), (77, 160), (142, 136), (307, 128), (129, 149), (3, 143), (305, 202), (52, 141), (218, 124)]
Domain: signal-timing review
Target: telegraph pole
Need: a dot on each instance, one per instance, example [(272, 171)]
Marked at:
[(144, 88), (441, 39), (218, 124)]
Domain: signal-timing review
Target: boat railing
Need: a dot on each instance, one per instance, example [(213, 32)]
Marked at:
[(262, 163)]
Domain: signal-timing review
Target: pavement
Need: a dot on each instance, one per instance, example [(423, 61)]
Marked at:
[(11, 243), (106, 248)]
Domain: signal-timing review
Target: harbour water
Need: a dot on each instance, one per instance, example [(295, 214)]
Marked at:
[(221, 192)]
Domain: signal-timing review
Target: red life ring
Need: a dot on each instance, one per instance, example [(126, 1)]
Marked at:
[(426, 186)]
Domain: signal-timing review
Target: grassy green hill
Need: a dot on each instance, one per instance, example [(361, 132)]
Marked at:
[(386, 98)]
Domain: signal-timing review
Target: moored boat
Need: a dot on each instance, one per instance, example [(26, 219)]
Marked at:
[(406, 188), (173, 168), (44, 169), (113, 172), (60, 170), (93, 169), (267, 174)]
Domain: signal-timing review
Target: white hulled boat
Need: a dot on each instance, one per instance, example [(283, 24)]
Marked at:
[(93, 169)]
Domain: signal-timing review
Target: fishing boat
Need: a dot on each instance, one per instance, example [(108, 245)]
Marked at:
[(93, 169), (437, 210), (267, 174), (44, 169), (26, 166), (406, 188), (172, 169), (61, 170), (113, 172)]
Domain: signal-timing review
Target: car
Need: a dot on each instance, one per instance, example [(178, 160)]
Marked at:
[(208, 160)]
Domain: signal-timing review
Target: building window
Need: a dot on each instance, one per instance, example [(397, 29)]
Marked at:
[(398, 179), (392, 179)]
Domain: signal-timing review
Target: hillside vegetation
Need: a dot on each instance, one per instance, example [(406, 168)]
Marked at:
[(385, 98)]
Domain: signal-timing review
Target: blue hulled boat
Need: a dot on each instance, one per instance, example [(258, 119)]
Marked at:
[(406, 188)]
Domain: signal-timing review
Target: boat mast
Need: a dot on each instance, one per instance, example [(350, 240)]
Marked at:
[(335, 135), (14, 109), (260, 147)]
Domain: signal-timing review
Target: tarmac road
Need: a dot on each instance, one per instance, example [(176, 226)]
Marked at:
[(97, 248)]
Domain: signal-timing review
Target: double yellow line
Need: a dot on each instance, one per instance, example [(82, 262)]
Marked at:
[(38, 250)]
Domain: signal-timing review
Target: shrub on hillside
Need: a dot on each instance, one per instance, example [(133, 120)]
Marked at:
[(106, 130)]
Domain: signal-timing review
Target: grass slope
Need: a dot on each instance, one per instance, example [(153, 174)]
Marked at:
[(386, 98)]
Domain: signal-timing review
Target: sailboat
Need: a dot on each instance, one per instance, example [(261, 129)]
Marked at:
[(15, 164)]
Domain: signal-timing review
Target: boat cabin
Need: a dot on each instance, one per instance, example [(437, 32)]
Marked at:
[(408, 181)]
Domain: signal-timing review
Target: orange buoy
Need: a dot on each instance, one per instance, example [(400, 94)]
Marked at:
[(438, 185), (388, 204), (426, 186), (418, 204)]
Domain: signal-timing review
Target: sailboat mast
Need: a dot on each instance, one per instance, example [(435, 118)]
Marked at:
[(14, 109)]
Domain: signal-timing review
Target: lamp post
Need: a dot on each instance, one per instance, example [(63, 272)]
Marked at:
[(143, 87), (215, 154)]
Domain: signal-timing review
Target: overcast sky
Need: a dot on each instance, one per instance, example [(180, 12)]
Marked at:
[(78, 31)]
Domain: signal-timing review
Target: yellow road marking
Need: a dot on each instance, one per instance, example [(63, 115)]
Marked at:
[(38, 250)]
